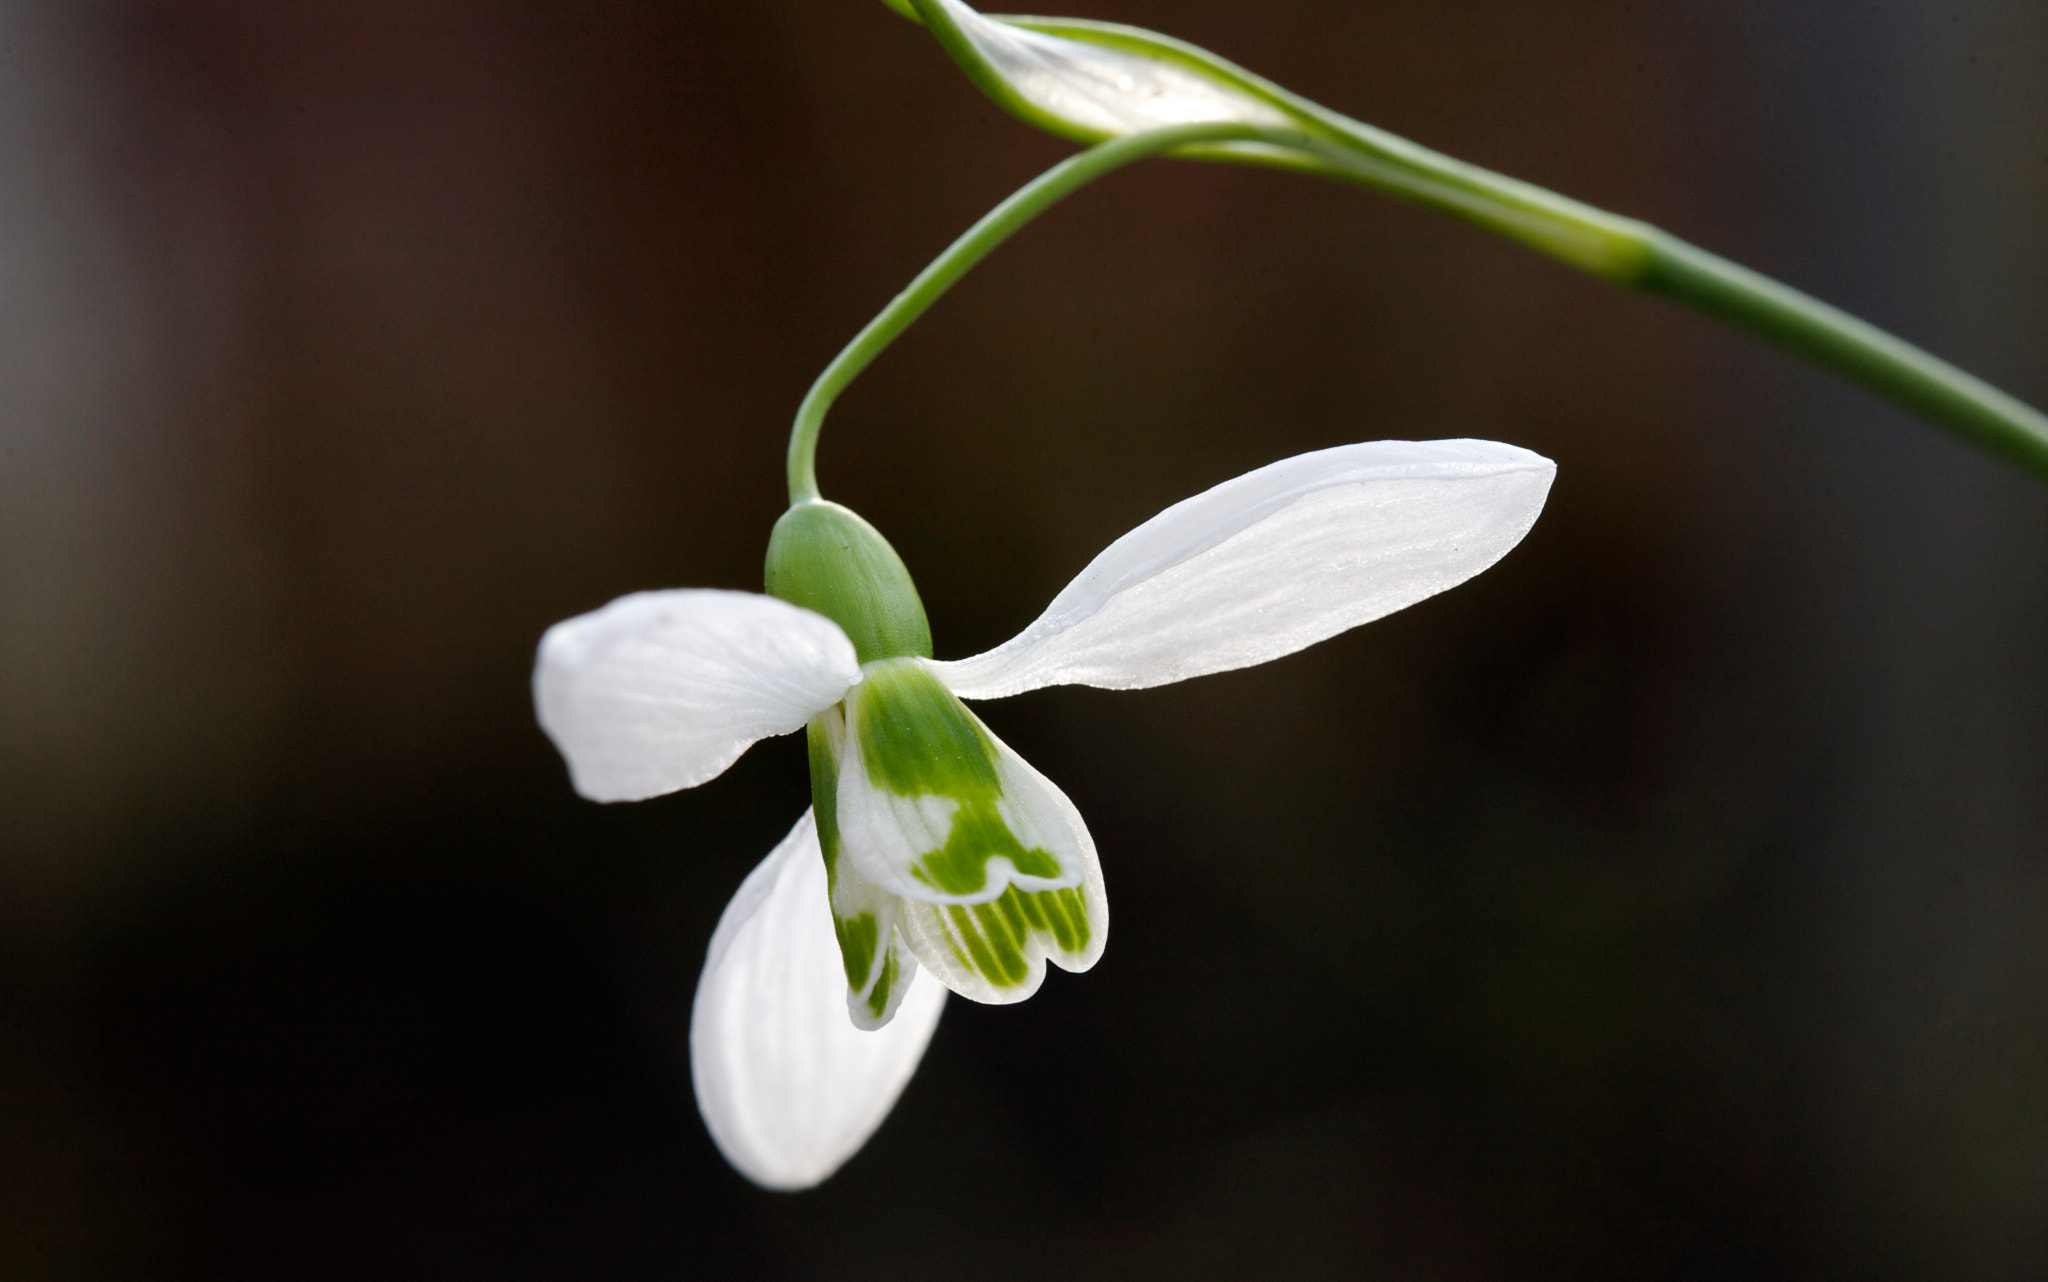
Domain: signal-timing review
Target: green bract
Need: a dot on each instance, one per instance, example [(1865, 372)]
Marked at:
[(824, 557)]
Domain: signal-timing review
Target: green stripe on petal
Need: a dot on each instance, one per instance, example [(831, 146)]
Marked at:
[(917, 739), (934, 808), (878, 964), (998, 945), (822, 737), (1061, 913), (995, 951), (857, 936), (886, 988), (960, 867)]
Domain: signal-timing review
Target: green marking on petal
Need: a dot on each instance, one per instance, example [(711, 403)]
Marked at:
[(1061, 913), (825, 791), (991, 939), (918, 739), (1069, 914), (1011, 914), (979, 835), (861, 934), (1033, 913), (993, 953), (878, 1000), (858, 938)]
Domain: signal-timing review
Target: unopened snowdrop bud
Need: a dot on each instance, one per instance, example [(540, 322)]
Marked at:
[(824, 557), (1089, 81)]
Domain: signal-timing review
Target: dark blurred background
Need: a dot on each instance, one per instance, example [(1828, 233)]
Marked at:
[(1670, 902)]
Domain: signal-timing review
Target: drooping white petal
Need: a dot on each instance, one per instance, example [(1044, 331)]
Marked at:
[(933, 807), (1102, 89), (1272, 562), (788, 1087), (663, 690)]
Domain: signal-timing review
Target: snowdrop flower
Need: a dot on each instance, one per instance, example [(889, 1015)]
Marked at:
[(931, 845)]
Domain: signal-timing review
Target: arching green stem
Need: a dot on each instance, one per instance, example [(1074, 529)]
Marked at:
[(1641, 257), (1891, 367), (1622, 250), (996, 227)]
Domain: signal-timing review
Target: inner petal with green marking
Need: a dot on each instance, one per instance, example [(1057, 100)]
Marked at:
[(932, 807), (879, 965)]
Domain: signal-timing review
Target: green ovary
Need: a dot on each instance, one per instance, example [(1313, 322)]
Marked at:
[(960, 867)]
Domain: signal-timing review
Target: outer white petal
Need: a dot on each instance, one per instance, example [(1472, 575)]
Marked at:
[(663, 690), (787, 1085), (1102, 89), (1272, 562)]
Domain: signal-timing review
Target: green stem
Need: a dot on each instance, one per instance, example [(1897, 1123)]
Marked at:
[(1641, 257), (1621, 250), (997, 226), (1894, 369)]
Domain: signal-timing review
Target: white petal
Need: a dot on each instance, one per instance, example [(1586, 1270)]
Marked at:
[(787, 1085), (663, 690), (1272, 562), (1101, 89)]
